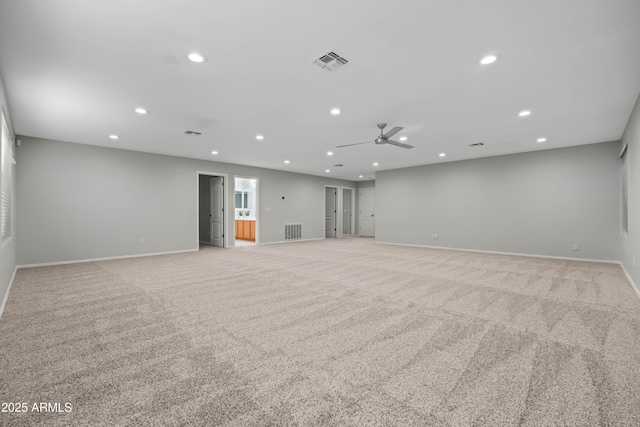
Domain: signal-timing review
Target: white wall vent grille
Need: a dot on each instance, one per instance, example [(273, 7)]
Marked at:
[(330, 60), (292, 231)]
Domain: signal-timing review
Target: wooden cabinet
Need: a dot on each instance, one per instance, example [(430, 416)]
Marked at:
[(245, 229)]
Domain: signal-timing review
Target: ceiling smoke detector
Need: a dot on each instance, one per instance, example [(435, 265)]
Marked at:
[(330, 60), (192, 132)]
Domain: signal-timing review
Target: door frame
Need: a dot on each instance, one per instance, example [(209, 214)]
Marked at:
[(257, 179), (211, 210), (353, 210), (225, 203)]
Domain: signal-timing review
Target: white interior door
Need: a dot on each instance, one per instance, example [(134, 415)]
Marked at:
[(217, 211), (330, 212), (347, 212), (367, 212)]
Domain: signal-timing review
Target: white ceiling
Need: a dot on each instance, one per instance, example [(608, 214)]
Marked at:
[(74, 70)]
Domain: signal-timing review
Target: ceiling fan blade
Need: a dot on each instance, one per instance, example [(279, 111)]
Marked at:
[(399, 144), (392, 132), (357, 143)]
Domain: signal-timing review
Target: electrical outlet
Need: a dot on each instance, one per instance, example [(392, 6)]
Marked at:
[(576, 247), (141, 241), (435, 235)]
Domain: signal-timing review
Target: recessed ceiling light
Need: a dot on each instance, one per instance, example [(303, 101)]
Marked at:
[(403, 138), (287, 161), (524, 113), (114, 137), (442, 154), (327, 170), (141, 110), (329, 153), (375, 164), (259, 137), (196, 57), (214, 152), (489, 59), (360, 176), (335, 111), (541, 140)]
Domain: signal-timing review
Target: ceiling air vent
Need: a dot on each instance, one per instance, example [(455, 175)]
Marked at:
[(477, 144), (330, 60), (192, 132), (338, 165)]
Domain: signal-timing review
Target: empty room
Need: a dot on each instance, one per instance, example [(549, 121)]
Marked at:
[(305, 213)]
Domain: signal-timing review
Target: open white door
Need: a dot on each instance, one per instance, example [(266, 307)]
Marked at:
[(217, 211), (367, 219), (330, 211), (347, 212)]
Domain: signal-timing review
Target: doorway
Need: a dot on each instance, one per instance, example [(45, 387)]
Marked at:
[(348, 206), (367, 211), (330, 211), (246, 210), (211, 197)]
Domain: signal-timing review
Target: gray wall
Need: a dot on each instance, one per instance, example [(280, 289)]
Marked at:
[(367, 184), (631, 244), (80, 202), (538, 203), (8, 248)]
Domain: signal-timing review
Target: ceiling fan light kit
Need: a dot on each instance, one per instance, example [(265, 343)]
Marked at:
[(383, 138)]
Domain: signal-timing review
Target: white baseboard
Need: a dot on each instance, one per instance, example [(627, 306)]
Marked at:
[(633, 285), (45, 264), (503, 253), (6, 295)]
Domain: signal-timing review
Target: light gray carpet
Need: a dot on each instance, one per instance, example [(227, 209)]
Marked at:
[(336, 332)]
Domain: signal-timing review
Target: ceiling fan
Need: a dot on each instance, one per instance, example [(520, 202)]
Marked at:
[(383, 138)]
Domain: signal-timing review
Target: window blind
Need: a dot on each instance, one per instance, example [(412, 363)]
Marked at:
[(624, 192), (6, 163)]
